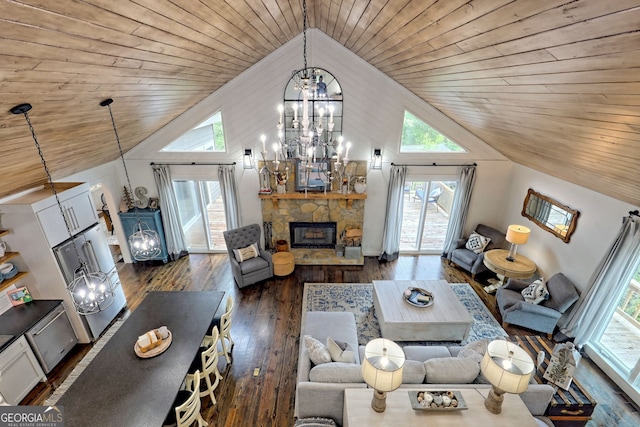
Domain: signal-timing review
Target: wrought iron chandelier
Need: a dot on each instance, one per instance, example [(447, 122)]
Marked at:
[(312, 142), (144, 242), (91, 291)]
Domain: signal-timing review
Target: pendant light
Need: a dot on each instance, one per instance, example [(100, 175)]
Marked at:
[(91, 291), (144, 242)]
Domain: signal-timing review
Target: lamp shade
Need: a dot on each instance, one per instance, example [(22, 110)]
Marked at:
[(507, 367), (518, 234), (382, 365)]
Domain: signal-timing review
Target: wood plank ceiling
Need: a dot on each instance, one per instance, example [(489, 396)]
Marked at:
[(553, 85)]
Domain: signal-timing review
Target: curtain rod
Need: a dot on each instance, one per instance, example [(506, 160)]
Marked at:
[(433, 164), (192, 164), (636, 213)]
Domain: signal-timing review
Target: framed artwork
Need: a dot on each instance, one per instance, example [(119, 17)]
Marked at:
[(153, 203), (316, 179), (19, 296)]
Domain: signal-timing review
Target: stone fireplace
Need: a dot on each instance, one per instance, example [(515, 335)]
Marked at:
[(313, 235)]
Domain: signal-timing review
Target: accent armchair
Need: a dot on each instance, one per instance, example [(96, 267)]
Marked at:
[(251, 270), (541, 317), (471, 261)]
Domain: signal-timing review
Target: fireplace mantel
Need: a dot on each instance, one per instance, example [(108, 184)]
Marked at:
[(350, 197)]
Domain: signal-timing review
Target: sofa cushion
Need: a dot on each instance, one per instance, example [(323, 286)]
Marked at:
[(336, 372), (425, 352), (340, 351), (451, 370), (413, 372), (317, 351), (477, 242), (475, 350)]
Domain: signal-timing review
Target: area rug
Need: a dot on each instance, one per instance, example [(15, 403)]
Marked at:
[(97, 346), (358, 299)]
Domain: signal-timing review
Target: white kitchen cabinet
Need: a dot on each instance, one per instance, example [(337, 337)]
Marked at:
[(79, 213), (19, 371)]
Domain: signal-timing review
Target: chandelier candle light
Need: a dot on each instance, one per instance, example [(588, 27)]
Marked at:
[(91, 291), (516, 235), (144, 242)]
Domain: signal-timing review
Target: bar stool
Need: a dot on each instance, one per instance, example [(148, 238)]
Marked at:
[(188, 412), (209, 364), (225, 331)]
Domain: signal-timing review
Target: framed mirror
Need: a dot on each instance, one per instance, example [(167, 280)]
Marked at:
[(551, 215)]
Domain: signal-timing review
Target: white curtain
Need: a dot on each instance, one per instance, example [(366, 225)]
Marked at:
[(393, 217), (173, 233), (598, 302), (459, 208), (227, 181)]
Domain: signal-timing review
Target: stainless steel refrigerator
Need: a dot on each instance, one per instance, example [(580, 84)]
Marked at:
[(93, 249)]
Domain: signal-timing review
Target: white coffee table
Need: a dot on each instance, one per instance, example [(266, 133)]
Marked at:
[(446, 320), (358, 412)]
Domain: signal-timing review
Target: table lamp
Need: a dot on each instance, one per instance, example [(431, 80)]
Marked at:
[(516, 235), (382, 369), (508, 368)]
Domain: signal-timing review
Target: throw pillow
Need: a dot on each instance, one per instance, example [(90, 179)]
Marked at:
[(474, 350), (477, 242), (249, 252), (318, 352), (340, 351), (536, 292), (451, 370)]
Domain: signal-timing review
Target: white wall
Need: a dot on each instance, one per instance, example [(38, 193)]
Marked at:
[(373, 114), (598, 224)]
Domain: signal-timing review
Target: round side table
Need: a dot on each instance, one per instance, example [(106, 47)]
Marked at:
[(496, 261), (283, 263)]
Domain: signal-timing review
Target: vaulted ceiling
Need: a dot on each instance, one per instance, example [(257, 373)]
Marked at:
[(552, 84)]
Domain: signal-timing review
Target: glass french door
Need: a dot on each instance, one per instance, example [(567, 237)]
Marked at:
[(201, 215), (617, 342), (426, 209)]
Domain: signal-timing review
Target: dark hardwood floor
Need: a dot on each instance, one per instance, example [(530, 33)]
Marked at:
[(266, 328)]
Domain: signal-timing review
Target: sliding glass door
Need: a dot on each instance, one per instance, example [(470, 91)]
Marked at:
[(617, 342), (201, 214), (426, 209)]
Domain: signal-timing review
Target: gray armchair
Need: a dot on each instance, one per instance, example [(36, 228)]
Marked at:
[(471, 261), (251, 270), (541, 317)]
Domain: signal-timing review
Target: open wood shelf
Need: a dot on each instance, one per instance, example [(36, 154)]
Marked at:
[(275, 197), (7, 256), (8, 282), (4, 232)]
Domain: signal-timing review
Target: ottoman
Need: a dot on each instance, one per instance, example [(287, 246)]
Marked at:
[(283, 263)]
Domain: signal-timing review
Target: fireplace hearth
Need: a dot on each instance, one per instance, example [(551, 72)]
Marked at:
[(313, 235)]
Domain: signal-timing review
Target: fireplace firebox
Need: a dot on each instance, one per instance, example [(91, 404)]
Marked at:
[(312, 234)]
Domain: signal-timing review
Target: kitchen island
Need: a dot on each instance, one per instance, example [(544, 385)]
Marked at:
[(120, 389)]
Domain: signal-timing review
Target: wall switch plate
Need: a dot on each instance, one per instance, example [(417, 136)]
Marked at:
[(256, 372)]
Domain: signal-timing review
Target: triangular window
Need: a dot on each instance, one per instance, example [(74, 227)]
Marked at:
[(207, 136), (419, 137)]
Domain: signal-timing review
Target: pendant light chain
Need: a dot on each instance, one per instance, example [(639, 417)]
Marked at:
[(115, 130), (53, 187), (304, 33)]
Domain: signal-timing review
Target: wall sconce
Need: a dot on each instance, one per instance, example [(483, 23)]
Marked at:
[(247, 159), (377, 159)]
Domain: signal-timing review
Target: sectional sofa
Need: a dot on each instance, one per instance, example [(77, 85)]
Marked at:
[(320, 388)]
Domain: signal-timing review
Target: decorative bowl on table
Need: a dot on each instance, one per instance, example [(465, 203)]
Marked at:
[(441, 400), (418, 297), (147, 349)]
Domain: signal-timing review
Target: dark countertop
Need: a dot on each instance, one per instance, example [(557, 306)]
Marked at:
[(120, 389), (19, 319)]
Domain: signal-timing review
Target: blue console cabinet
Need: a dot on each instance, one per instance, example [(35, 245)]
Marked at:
[(152, 219)]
